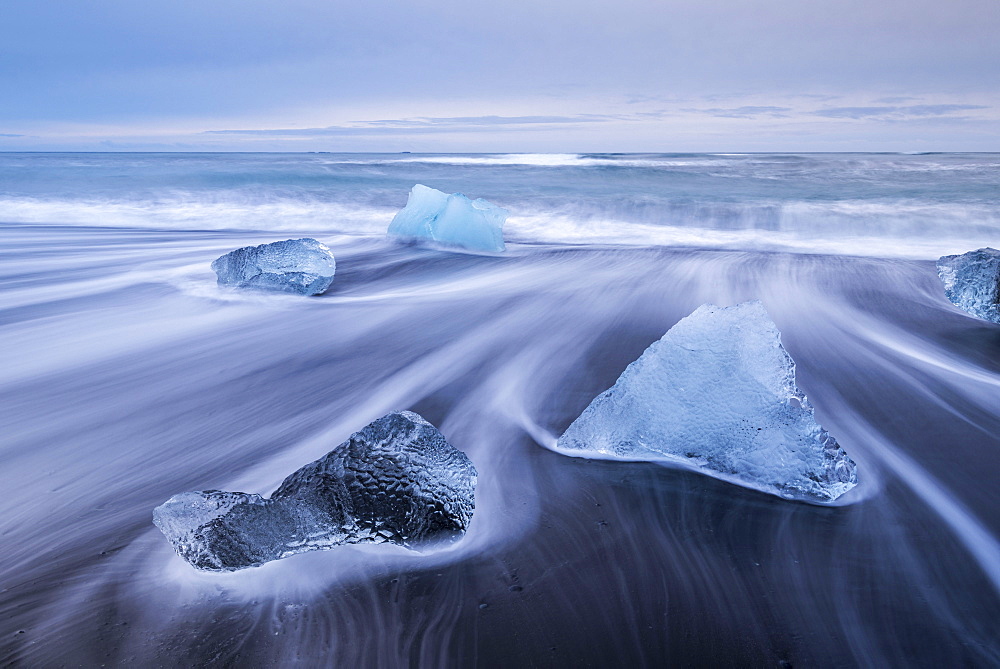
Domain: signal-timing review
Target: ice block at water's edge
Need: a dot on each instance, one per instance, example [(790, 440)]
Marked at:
[(303, 266), (452, 220), (717, 393), (397, 480), (972, 282)]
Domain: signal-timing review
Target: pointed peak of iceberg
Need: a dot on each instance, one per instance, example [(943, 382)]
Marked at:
[(717, 394)]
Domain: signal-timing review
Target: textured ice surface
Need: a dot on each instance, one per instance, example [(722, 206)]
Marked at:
[(717, 393), (452, 220), (296, 266), (397, 481), (972, 282)]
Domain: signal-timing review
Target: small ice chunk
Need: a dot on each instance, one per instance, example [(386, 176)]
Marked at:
[(397, 480), (972, 282), (302, 266), (451, 220), (717, 394)]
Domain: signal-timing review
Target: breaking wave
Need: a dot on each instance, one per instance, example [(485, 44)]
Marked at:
[(882, 229)]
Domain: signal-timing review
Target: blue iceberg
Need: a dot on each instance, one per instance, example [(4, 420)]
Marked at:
[(397, 480), (972, 282), (717, 394), (450, 220), (302, 266)]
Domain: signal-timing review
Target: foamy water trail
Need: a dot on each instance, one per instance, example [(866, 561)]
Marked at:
[(130, 376)]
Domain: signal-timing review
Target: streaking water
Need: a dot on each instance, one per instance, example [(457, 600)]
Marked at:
[(128, 376)]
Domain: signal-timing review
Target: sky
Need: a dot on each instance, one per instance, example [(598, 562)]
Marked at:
[(503, 76)]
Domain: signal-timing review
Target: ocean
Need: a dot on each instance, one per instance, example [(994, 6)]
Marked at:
[(128, 376)]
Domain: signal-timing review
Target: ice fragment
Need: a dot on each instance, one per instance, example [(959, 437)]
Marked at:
[(451, 220), (397, 480), (972, 282), (717, 393), (302, 266)]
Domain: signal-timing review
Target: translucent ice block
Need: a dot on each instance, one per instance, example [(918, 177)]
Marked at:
[(302, 266), (451, 220), (717, 394), (972, 282)]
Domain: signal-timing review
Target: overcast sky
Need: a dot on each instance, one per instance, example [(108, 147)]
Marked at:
[(538, 75)]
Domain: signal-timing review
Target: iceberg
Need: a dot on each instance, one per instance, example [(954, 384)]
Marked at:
[(395, 481), (451, 220), (717, 394), (972, 282), (302, 266)]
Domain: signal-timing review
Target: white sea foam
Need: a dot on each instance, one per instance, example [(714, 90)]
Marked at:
[(538, 160), (859, 162), (854, 204), (877, 229), (903, 229), (187, 212), (534, 159)]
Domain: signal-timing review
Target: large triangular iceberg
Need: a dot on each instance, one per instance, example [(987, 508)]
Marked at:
[(717, 393)]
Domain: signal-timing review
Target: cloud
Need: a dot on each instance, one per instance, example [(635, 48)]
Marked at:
[(893, 113), (421, 68), (488, 120), (424, 125), (646, 98), (744, 112), (896, 100), (939, 110), (7, 134)]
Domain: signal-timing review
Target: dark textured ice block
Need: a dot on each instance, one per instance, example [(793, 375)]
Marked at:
[(972, 282), (397, 480), (302, 266)]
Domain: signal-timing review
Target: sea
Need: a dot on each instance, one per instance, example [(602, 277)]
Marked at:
[(127, 375)]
